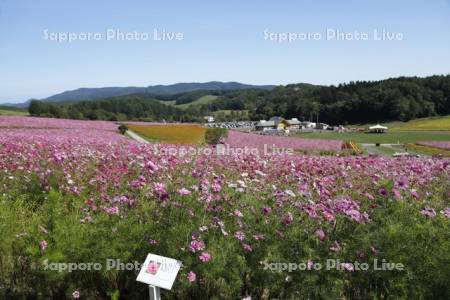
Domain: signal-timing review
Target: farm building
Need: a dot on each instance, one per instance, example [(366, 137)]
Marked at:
[(322, 126), (264, 125), (308, 124), (280, 124), (294, 124), (378, 129), (209, 119)]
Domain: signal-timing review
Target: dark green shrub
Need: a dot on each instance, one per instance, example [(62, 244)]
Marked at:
[(123, 128), (213, 135)]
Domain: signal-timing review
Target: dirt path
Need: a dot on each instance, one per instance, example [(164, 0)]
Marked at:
[(136, 137)]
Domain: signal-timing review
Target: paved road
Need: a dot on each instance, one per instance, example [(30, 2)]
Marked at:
[(136, 137), (388, 149)]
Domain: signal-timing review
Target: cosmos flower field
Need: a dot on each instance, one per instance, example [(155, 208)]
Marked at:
[(79, 192), (437, 144)]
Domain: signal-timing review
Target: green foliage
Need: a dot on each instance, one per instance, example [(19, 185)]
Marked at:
[(402, 98), (214, 135), (397, 231)]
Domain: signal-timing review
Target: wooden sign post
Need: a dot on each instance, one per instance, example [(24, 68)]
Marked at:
[(158, 272)]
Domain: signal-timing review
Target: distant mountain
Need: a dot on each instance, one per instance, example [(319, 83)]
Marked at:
[(99, 93), (17, 105)]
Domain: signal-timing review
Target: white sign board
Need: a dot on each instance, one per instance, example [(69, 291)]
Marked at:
[(159, 271)]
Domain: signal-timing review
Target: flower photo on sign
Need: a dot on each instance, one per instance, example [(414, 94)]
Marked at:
[(153, 268)]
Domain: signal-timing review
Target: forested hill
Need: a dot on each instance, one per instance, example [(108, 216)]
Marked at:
[(100, 93), (359, 102), (129, 107), (401, 98)]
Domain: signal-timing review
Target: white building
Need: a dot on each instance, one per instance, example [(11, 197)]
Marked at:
[(209, 119), (378, 129), (322, 126), (294, 124), (264, 125), (309, 124)]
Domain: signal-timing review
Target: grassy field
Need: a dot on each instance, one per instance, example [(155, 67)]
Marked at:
[(171, 134), (5, 112), (172, 102), (428, 124), (424, 124), (386, 138), (202, 100), (428, 150)]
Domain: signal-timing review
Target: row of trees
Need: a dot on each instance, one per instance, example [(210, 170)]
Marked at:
[(359, 102), (131, 107), (401, 98)]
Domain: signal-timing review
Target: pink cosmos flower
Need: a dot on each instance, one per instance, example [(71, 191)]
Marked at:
[(43, 245), (320, 234), (152, 167), (238, 213), (446, 212), (369, 196), (382, 192), (401, 182), (205, 257), (266, 210), (76, 295), (159, 187), (191, 277), (397, 194), (335, 247), (184, 192), (328, 216), (415, 194), (348, 267), (258, 237), (239, 235), (247, 248), (428, 212), (196, 245), (216, 187), (111, 210)]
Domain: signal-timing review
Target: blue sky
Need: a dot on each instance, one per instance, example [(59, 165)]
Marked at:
[(222, 40)]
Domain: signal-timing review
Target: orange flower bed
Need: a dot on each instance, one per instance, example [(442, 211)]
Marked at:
[(171, 134)]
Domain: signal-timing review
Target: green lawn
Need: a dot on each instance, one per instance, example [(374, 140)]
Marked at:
[(441, 123), (4, 112), (171, 102), (386, 138), (202, 100), (426, 124)]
